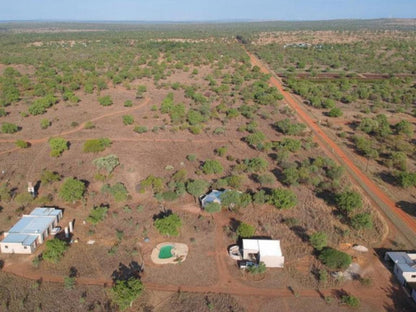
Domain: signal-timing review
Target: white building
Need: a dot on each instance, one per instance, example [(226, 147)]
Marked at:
[(404, 268), (30, 231), (264, 250)]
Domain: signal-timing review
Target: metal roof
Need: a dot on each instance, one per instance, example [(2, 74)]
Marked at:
[(212, 197), (32, 224), (44, 211), (24, 239)]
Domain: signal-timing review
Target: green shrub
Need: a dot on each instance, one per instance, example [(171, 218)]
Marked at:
[(128, 103), (212, 167), (89, 125), (168, 225), (54, 250), (245, 230), (348, 201), (283, 198), (318, 240), (266, 179), (335, 112), (108, 163), (22, 144), (256, 164), (362, 221), (350, 301), (48, 177), (2, 112), (406, 179), (96, 145), (128, 119), (105, 100), (58, 146), (118, 191), (257, 269), (72, 190), (140, 129), (335, 259), (7, 127), (221, 151), (156, 183), (23, 198), (212, 207), (45, 123), (197, 187), (124, 292), (69, 282), (97, 214), (285, 126), (191, 157), (169, 196)]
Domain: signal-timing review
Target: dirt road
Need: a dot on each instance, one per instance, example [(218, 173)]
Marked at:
[(404, 223)]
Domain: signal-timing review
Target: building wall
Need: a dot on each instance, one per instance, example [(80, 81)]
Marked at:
[(409, 276), (399, 274), (17, 248)]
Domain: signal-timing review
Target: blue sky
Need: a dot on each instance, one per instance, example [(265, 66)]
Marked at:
[(203, 10)]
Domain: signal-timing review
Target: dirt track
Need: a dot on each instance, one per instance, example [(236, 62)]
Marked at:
[(402, 221)]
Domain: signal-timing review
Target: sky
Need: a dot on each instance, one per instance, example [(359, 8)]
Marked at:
[(203, 10)]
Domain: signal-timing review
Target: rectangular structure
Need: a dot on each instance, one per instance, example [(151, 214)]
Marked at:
[(264, 250), (30, 231)]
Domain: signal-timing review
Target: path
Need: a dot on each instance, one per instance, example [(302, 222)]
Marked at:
[(404, 223)]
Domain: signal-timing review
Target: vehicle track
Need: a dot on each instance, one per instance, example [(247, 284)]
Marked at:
[(404, 223)]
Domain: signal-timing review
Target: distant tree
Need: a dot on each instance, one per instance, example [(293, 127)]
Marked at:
[(48, 177), (105, 100), (197, 187), (362, 221), (8, 127), (124, 292), (335, 259), (245, 230), (96, 145), (406, 179), (72, 190), (97, 214), (283, 198), (128, 119), (168, 225), (348, 201), (54, 251), (109, 163), (212, 207), (58, 146), (318, 240), (335, 112), (212, 167)]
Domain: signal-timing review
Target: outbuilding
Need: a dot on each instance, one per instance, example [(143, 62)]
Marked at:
[(30, 231), (267, 251)]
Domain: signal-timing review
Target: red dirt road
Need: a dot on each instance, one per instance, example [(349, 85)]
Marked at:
[(386, 204)]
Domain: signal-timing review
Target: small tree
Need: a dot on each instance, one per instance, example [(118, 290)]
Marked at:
[(108, 163), (212, 207), (283, 198), (257, 269), (348, 201), (48, 177), (97, 214), (55, 249), (7, 127), (335, 259), (335, 112), (22, 144), (96, 145), (318, 240), (72, 190), (350, 301), (128, 119), (168, 225), (212, 167), (58, 146), (362, 221), (197, 187), (245, 230), (105, 100), (124, 292)]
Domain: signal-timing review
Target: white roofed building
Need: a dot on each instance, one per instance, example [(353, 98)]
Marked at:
[(30, 231), (264, 250)]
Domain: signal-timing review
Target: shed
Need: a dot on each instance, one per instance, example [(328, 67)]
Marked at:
[(212, 197), (30, 231), (264, 250)]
